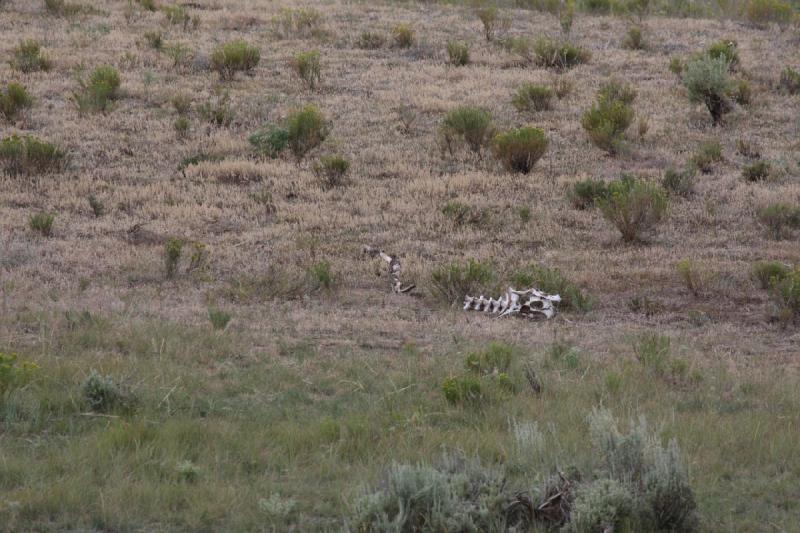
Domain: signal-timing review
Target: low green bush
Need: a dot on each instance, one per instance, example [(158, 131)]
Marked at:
[(308, 68), (181, 126), (104, 395), (173, 250), (331, 171), (464, 214), (489, 17), (28, 57), (29, 155), (154, 39), (299, 22), (585, 193), (706, 155), (634, 39), (786, 297), (608, 119), (768, 273), (779, 219), (13, 100), (322, 277), (634, 206), (727, 50), (98, 92), (707, 82), (217, 110), (460, 390), (233, 57), (762, 12), (458, 53), (471, 126), (42, 223), (451, 283), (559, 55), (307, 128), (532, 97), (368, 40), (270, 140), (496, 358), (552, 281), (758, 171), (790, 81), (679, 182), (403, 35), (519, 149)]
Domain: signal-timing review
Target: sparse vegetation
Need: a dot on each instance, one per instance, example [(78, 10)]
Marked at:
[(727, 50), (13, 100), (458, 53), (42, 223), (331, 170), (585, 193), (559, 55), (307, 67), (369, 40), (299, 22), (790, 80), (270, 140), (634, 206), (758, 171), (679, 182), (519, 150), (452, 282), (28, 57), (98, 92), (217, 110), (173, 249), (762, 12), (634, 39), (552, 281), (780, 219), (707, 154), (403, 36), (769, 273), (29, 155), (219, 318), (233, 57)]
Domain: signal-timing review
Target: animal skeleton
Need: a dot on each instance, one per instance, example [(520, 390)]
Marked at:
[(394, 269), (530, 303)]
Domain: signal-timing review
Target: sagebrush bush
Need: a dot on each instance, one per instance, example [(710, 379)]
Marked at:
[(667, 492), (270, 140), (761, 12), (608, 119), (173, 249), (368, 40), (308, 68), (585, 193), (552, 281), (559, 55), (679, 182), (532, 97), (634, 39), (768, 273), (790, 81), (706, 80), (103, 395), (331, 171), (758, 171), (786, 297), (403, 35), (488, 15), (99, 90), (233, 57), (28, 57), (603, 505), (29, 155), (307, 128), (706, 155), (634, 206), (727, 50), (458, 53), (181, 126), (42, 223), (451, 283), (468, 125), (519, 149), (13, 100), (780, 219)]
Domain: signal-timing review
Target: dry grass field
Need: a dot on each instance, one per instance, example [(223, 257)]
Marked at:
[(273, 378)]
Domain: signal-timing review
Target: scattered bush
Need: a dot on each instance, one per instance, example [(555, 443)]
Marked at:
[(13, 99), (680, 183), (790, 80), (532, 97), (727, 50), (270, 140), (407, 116), (519, 149), (469, 125), (677, 66), (597, 7), (403, 36), (552, 281), (103, 395), (331, 171), (233, 57), (768, 273), (42, 223), (368, 40), (97, 93), (585, 193), (562, 87), (177, 15), (707, 81), (706, 155), (762, 12), (179, 53), (307, 67), (453, 282), (758, 171), (634, 206), (458, 53), (780, 219), (307, 129), (634, 39), (559, 55), (28, 57), (521, 46), (173, 249), (29, 155), (182, 103), (607, 120), (693, 276)]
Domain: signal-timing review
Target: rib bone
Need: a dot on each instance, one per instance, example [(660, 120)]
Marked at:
[(530, 303)]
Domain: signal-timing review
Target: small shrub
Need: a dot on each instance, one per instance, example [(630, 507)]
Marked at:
[(692, 276), (567, 16), (585, 193), (14, 373), (331, 171), (521, 46), (453, 282), (706, 155), (559, 55), (233, 57), (634, 206), (469, 125), (667, 492), (181, 126), (103, 395), (270, 140), (614, 91), (677, 66), (603, 505), (299, 22), (790, 81), (768, 273), (532, 97), (217, 111), (519, 150), (97, 93), (680, 183), (462, 390), (219, 318), (634, 39), (28, 57), (182, 103), (643, 126), (608, 119), (488, 16), (740, 92), (407, 116), (29, 155), (322, 276), (179, 53), (403, 36), (552, 281), (707, 81), (173, 249), (307, 67), (496, 358), (148, 5), (654, 352), (748, 149), (758, 171), (462, 214), (98, 209), (307, 129), (762, 12), (368, 40), (177, 15), (780, 219), (786, 296), (42, 223), (562, 87), (727, 50), (154, 39), (458, 53), (13, 100)]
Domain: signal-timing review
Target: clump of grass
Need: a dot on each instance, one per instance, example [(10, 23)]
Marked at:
[(154, 39), (679, 182), (307, 67), (307, 128), (762, 12), (462, 214), (407, 116), (471, 126), (173, 249), (451, 283), (780, 219), (706, 80), (322, 276), (98, 209), (403, 36), (217, 111), (460, 390), (177, 15), (368, 40), (103, 395), (270, 140), (496, 358), (299, 22), (552, 281), (677, 66), (42, 223), (740, 92), (233, 57), (14, 373), (29, 155), (489, 17), (532, 97), (519, 149), (181, 127), (790, 81), (566, 16), (28, 57), (585, 193), (98, 92), (597, 7), (654, 352), (758, 171), (182, 103), (707, 154), (634, 206), (13, 100), (331, 171), (693, 276), (634, 39), (768, 273), (608, 119), (219, 318), (562, 86), (559, 55), (458, 53), (727, 50), (180, 54), (786, 297)]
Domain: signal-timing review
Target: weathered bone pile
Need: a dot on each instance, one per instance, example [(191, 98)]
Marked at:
[(530, 303)]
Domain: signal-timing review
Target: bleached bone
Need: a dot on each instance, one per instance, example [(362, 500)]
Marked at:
[(394, 268), (530, 303)]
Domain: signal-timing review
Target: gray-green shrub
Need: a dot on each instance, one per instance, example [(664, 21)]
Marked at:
[(585, 193), (611, 115), (270, 140), (634, 206), (706, 80)]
